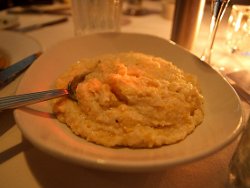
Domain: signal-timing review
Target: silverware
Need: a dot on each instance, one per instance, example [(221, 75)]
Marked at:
[(40, 25), (10, 73), (17, 101)]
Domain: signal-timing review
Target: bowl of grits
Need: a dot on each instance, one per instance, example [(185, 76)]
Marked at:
[(145, 104)]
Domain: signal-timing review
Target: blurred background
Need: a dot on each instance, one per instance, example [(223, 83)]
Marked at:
[(11, 3)]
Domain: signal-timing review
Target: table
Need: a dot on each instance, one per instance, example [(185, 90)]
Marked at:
[(22, 165)]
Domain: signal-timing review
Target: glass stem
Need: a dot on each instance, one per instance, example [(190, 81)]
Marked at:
[(218, 8)]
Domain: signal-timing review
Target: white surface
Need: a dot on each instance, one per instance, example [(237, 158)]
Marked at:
[(223, 120), (23, 165), (16, 46)]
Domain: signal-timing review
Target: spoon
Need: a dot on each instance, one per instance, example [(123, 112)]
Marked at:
[(17, 101)]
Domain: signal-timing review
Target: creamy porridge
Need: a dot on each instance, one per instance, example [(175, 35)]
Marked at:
[(130, 99)]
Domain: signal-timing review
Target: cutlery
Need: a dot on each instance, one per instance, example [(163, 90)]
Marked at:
[(10, 73), (17, 101), (40, 25)]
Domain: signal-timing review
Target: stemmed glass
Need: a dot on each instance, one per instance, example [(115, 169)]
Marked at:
[(218, 8), (239, 172)]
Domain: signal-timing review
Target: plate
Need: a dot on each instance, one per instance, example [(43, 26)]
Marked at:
[(14, 47), (223, 113)]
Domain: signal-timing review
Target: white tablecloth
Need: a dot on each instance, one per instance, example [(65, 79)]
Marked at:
[(22, 165)]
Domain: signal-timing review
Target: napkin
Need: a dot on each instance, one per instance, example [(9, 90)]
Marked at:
[(241, 83)]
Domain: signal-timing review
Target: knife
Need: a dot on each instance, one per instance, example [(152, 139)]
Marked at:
[(40, 25), (10, 73)]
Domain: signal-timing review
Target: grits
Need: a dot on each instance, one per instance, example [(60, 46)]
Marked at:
[(130, 99)]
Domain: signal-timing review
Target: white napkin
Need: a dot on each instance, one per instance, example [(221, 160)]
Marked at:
[(241, 83)]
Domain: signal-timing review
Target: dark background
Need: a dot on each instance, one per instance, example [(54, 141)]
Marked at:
[(11, 3)]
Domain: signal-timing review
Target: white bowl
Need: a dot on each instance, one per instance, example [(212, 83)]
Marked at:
[(223, 113)]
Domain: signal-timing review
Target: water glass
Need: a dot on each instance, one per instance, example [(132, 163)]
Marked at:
[(168, 7), (238, 31), (239, 169), (94, 16)]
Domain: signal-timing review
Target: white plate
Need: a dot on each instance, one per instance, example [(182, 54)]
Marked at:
[(223, 113), (16, 46)]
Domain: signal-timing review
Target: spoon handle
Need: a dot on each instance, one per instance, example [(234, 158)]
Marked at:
[(17, 101)]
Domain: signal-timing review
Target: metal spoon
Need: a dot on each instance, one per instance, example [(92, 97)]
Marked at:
[(17, 101)]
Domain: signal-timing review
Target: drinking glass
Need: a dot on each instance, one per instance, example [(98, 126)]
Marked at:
[(92, 16), (239, 169), (218, 8), (168, 8), (238, 31)]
